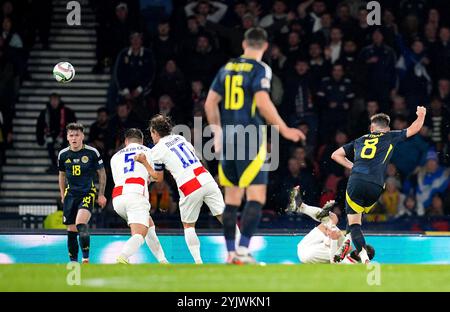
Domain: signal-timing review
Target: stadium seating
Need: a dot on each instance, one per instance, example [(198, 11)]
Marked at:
[(25, 180)]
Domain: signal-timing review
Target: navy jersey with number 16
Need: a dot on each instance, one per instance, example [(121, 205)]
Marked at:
[(243, 152), (371, 154), (237, 82)]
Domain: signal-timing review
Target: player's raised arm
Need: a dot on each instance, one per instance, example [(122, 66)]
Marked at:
[(101, 187), (270, 114), (62, 184), (340, 157), (213, 116), (418, 123)]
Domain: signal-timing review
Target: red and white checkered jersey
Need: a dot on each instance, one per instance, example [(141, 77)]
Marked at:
[(129, 175), (177, 155)]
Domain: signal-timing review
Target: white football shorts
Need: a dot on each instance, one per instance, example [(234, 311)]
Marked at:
[(133, 208), (312, 248), (190, 205)]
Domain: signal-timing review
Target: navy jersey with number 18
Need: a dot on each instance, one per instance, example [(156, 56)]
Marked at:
[(80, 168)]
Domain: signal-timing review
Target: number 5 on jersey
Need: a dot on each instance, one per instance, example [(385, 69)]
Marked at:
[(129, 162), (234, 94)]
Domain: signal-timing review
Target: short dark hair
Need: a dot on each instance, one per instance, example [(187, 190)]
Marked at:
[(203, 2), (102, 110), (135, 33), (337, 63), (401, 118), (301, 60), (164, 21), (315, 42), (435, 99), (161, 124), (378, 30), (340, 5), (303, 123), (381, 120), (336, 27), (75, 126), (123, 103), (134, 133), (255, 37)]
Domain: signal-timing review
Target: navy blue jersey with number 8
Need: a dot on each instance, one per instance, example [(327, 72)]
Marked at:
[(371, 154)]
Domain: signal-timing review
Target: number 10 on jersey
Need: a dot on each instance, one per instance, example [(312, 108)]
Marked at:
[(185, 155)]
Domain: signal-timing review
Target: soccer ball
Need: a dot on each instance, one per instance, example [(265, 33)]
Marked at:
[(63, 72)]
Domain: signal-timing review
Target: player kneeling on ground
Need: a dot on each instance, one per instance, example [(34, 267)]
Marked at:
[(130, 197), (320, 245)]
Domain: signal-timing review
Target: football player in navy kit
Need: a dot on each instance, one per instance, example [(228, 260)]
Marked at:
[(370, 154), (78, 164)]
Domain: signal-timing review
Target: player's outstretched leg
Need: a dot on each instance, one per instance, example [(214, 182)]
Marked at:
[(295, 200), (84, 240), (138, 232), (297, 205), (324, 214), (192, 242), (72, 243), (154, 245)]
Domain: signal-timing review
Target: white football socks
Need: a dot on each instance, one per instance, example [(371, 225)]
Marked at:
[(310, 211), (154, 245), (193, 244), (237, 236), (132, 245), (334, 245), (242, 250), (363, 256), (342, 239)]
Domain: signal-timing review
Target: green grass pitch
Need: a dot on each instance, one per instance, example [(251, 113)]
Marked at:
[(219, 277)]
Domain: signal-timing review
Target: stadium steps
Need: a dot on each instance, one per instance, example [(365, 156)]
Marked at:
[(25, 180)]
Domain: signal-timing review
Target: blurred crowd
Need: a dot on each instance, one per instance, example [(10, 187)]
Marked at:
[(22, 24), (331, 72)]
